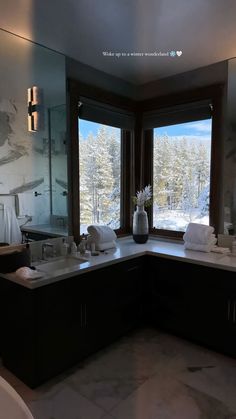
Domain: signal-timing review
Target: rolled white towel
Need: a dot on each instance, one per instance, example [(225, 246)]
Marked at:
[(101, 234), (198, 233), (26, 273), (201, 247)]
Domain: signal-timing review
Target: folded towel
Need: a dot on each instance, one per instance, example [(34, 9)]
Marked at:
[(101, 234), (198, 233), (27, 273), (218, 249), (105, 245), (201, 247)]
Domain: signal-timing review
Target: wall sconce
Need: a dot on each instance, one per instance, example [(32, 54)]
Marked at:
[(33, 108)]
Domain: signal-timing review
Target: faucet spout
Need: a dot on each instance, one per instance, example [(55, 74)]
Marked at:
[(44, 249)]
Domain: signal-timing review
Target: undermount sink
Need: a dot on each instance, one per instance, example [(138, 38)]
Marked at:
[(63, 263)]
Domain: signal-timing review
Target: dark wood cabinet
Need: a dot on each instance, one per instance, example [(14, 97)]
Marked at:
[(60, 326), (50, 328), (170, 294), (113, 302), (193, 301)]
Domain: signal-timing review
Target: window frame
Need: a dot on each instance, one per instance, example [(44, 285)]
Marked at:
[(215, 95), (75, 90)]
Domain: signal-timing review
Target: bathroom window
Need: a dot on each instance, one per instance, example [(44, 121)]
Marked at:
[(182, 153), (100, 160), (100, 174), (181, 174)]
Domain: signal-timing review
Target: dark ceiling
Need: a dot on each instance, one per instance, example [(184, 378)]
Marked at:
[(203, 30)]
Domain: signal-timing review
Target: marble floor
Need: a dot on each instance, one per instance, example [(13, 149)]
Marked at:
[(145, 375)]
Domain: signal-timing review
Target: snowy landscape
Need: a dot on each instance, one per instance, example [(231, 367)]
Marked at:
[(100, 167), (181, 175)]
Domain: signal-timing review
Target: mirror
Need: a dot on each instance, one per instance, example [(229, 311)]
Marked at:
[(33, 165), (58, 160)]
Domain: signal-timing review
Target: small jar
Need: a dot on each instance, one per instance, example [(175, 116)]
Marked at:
[(234, 247), (82, 246)]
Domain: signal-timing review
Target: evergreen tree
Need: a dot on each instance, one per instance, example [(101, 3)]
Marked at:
[(115, 155), (86, 179), (180, 176), (100, 178)]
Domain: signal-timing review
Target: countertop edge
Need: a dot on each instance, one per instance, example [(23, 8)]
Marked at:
[(126, 250)]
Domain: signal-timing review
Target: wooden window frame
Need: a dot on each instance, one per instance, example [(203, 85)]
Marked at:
[(215, 94), (74, 91), (137, 151)]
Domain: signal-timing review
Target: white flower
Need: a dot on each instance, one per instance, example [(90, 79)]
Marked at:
[(143, 197)]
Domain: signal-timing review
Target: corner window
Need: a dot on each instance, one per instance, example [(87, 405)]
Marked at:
[(181, 174)]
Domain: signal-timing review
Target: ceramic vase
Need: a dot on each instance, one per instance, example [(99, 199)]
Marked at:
[(140, 225)]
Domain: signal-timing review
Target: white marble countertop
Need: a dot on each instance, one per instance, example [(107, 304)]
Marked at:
[(128, 249), (47, 229)]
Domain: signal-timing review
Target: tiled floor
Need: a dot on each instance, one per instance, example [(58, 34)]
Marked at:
[(146, 375)]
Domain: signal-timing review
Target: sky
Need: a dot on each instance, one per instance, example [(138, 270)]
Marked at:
[(197, 129), (190, 130), (87, 127)]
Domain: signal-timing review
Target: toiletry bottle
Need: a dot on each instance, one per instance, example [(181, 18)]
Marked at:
[(82, 245), (73, 248), (64, 248)]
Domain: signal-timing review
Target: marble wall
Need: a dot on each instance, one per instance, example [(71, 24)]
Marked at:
[(229, 178), (24, 155)]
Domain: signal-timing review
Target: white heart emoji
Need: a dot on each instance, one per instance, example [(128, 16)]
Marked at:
[(179, 53)]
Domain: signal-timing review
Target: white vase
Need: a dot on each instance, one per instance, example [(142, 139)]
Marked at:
[(140, 225)]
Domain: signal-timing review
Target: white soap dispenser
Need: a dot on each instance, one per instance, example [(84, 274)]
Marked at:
[(64, 248), (234, 246)]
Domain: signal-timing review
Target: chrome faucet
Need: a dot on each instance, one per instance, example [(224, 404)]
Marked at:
[(44, 247)]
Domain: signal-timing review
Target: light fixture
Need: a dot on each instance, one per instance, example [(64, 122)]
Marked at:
[(33, 108)]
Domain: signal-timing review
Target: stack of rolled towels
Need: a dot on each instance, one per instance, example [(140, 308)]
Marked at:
[(102, 236), (199, 237)]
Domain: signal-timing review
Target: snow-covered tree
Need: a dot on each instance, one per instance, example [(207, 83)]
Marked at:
[(100, 178), (181, 170)]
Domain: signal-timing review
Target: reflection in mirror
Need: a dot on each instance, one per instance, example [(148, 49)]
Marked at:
[(229, 180), (25, 182), (58, 166)]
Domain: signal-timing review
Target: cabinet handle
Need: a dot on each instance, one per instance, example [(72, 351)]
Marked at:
[(81, 315), (85, 315), (234, 313), (229, 309)]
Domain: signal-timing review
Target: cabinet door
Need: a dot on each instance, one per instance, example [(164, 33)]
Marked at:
[(224, 325), (195, 301), (113, 305), (129, 278), (170, 294), (61, 331), (18, 331)]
